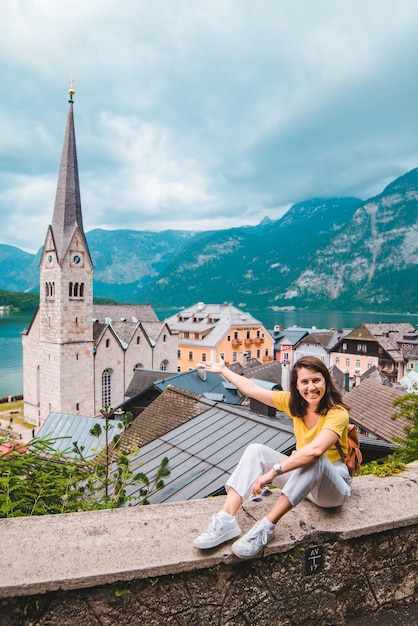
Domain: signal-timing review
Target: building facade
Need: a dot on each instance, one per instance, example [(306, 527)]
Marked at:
[(207, 332)]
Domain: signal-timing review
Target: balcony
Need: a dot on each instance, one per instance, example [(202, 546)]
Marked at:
[(236, 343), (248, 341), (266, 359), (259, 340)]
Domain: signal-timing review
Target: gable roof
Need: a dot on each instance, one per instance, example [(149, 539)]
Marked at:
[(142, 379), (205, 448), (214, 321), (289, 335), (372, 407), (388, 336), (270, 372)]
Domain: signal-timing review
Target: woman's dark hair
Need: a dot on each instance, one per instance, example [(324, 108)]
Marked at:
[(331, 398)]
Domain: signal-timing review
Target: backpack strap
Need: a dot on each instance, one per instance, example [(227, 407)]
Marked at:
[(340, 450)]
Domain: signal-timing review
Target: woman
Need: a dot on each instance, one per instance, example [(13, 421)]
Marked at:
[(315, 470)]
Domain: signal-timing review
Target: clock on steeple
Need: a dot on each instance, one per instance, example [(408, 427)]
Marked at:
[(76, 258)]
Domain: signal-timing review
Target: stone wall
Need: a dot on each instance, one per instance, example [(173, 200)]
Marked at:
[(137, 566)]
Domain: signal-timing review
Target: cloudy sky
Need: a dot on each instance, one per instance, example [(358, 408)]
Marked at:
[(202, 114)]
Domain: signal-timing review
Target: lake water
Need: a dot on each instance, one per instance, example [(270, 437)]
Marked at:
[(12, 325)]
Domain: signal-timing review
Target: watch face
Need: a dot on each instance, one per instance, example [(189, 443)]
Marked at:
[(76, 259)]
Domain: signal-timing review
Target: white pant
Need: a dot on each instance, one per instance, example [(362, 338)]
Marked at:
[(324, 483)]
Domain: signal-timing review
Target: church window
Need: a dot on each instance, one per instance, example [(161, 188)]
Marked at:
[(138, 366), (75, 290), (138, 340), (50, 290), (107, 343), (106, 388), (77, 406), (163, 366), (164, 338)]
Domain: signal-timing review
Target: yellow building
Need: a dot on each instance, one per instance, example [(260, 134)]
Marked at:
[(209, 331)]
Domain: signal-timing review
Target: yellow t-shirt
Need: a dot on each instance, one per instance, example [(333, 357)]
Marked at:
[(336, 420)]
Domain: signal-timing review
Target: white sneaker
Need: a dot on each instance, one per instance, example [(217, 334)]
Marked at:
[(253, 542), (218, 531)]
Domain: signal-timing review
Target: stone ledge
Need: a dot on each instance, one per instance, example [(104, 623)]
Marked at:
[(82, 550)]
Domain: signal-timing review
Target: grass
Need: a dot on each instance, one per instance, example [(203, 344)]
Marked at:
[(7, 407)]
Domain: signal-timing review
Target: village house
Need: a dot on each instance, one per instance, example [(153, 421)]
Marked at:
[(207, 332), (379, 345)]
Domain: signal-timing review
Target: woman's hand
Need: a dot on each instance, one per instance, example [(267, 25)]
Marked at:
[(263, 481), (209, 366)]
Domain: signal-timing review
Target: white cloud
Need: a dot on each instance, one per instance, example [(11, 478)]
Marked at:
[(206, 114)]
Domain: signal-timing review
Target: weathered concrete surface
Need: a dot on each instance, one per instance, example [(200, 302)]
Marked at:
[(370, 544), (85, 549)]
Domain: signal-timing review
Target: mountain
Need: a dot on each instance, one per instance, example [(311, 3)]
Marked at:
[(126, 261), (252, 265), (19, 269), (340, 253)]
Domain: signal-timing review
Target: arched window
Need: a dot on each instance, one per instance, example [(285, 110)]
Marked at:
[(138, 366), (81, 290), (75, 290), (106, 388), (163, 366), (70, 290)]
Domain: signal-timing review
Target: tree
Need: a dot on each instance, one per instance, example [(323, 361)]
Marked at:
[(408, 410), (110, 472)]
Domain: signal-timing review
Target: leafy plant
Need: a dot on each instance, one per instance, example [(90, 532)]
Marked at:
[(37, 480)]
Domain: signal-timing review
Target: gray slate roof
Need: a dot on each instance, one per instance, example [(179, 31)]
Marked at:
[(67, 428), (214, 319), (129, 312), (142, 379), (204, 450), (197, 381)]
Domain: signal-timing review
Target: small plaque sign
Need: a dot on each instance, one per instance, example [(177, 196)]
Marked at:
[(314, 560)]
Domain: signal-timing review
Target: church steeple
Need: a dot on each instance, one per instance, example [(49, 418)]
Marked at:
[(67, 216)]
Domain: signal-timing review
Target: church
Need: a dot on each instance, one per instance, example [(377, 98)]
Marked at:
[(79, 357)]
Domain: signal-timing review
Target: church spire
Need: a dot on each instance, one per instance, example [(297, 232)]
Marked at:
[(67, 210)]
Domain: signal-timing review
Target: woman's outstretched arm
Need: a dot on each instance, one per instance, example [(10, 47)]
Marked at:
[(245, 386)]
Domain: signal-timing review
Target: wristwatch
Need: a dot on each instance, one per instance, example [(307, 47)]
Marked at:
[(277, 468)]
